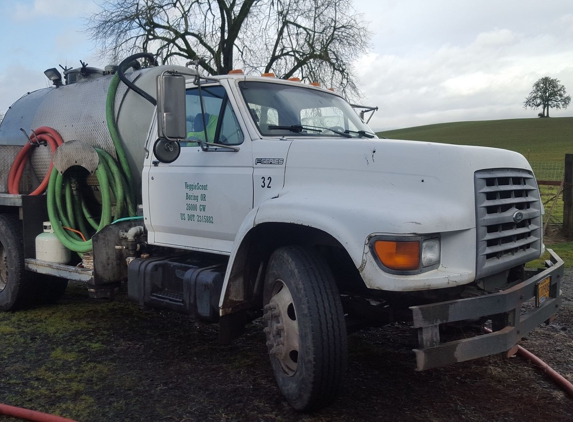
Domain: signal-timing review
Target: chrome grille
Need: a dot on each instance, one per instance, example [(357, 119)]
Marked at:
[(508, 214)]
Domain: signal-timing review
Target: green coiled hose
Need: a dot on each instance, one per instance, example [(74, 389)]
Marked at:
[(68, 208), (116, 137), (61, 219)]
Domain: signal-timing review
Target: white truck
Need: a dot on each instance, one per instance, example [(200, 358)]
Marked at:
[(234, 197)]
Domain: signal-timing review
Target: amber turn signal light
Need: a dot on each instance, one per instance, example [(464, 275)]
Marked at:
[(396, 255)]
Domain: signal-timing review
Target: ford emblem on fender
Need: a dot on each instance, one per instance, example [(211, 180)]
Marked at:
[(518, 217)]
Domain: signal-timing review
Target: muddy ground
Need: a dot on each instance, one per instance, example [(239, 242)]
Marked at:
[(110, 361)]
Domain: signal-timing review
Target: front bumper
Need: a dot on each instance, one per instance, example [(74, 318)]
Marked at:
[(510, 325)]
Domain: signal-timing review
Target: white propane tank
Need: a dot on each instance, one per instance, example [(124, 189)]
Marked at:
[(49, 248)]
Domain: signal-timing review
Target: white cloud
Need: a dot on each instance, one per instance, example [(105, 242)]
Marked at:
[(467, 65), (468, 84), (54, 9), (498, 37), (16, 81)]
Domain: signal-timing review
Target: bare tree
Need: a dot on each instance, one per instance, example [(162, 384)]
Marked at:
[(315, 40), (547, 93)]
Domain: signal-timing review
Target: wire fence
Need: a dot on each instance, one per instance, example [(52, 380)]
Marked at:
[(548, 171), (549, 175)]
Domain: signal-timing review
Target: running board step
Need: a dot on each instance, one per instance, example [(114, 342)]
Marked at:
[(175, 297), (68, 272)]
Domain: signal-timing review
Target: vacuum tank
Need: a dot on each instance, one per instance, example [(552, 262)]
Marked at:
[(78, 112)]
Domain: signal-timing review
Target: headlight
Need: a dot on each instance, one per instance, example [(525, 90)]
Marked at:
[(408, 254), (430, 252)]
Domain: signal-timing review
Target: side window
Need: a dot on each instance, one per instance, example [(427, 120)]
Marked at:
[(231, 133), (218, 119)]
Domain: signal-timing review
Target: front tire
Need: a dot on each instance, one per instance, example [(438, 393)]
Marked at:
[(15, 288), (305, 328)]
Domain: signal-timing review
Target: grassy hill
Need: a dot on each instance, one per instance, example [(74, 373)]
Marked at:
[(537, 139)]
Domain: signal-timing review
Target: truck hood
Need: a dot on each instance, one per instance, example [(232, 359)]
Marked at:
[(391, 186)]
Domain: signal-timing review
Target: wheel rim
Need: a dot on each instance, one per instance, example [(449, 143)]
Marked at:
[(283, 338), (3, 268)]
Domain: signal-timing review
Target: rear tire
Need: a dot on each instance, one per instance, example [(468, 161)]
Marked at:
[(305, 328), (15, 287)]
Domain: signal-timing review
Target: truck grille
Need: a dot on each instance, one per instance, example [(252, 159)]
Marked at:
[(508, 214)]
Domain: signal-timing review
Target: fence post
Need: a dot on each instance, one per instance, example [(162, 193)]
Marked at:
[(568, 197)]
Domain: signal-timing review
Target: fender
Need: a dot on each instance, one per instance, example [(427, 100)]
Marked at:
[(233, 292)]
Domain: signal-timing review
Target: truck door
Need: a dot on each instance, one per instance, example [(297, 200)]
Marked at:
[(200, 200)]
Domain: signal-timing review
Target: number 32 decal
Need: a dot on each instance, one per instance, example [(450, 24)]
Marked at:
[(266, 182)]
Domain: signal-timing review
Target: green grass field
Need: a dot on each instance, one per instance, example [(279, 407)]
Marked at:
[(544, 142), (537, 139)]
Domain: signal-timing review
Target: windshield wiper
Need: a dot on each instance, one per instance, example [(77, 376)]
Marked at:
[(319, 129), (361, 133), (330, 129), (294, 128)]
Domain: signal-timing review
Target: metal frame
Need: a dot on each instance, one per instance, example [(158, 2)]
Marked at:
[(64, 271), (9, 200), (503, 308)]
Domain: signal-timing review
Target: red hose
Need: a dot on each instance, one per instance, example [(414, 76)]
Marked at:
[(558, 378), (30, 415), (564, 383), (46, 134)]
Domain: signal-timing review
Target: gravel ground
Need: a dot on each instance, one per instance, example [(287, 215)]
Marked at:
[(110, 361)]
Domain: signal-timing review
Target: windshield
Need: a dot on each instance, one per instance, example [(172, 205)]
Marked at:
[(280, 109)]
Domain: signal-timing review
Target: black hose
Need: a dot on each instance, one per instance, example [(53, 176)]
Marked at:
[(126, 64)]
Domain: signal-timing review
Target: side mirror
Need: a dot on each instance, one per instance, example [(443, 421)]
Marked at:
[(171, 111), (166, 151)]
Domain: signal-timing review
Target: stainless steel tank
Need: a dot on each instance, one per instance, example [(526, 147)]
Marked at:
[(78, 112)]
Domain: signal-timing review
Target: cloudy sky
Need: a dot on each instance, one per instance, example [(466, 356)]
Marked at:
[(430, 61)]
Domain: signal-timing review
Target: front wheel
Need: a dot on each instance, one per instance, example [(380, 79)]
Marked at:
[(305, 328)]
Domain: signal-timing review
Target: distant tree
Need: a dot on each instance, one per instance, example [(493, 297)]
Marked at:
[(547, 93), (315, 40), (1, 117)]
